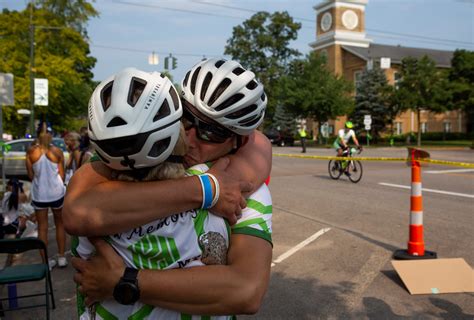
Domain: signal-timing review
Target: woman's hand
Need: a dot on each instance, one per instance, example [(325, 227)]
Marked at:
[(98, 276)]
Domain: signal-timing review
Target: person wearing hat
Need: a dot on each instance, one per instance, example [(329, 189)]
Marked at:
[(343, 137)]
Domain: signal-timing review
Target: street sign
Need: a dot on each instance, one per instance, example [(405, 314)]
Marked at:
[(6, 89), (367, 120), (367, 127), (384, 63), (41, 92)]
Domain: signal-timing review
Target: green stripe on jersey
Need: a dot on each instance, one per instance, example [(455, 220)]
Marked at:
[(186, 316), (194, 172), (260, 221), (103, 313), (254, 232), (258, 206), (142, 313)]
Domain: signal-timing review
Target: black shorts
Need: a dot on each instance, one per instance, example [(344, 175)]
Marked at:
[(58, 204)]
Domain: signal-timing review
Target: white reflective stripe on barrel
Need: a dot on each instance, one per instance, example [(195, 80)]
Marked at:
[(416, 217), (416, 188)]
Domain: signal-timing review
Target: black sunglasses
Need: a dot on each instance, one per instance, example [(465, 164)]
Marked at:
[(205, 131)]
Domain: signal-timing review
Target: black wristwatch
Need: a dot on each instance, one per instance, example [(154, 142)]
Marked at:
[(126, 291)]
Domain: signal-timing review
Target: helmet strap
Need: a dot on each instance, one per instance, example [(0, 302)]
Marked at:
[(175, 159)]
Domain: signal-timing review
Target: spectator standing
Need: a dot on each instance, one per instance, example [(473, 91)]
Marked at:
[(72, 141), (45, 166), (302, 133)]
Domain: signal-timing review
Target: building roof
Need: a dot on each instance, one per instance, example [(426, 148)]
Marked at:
[(397, 53)]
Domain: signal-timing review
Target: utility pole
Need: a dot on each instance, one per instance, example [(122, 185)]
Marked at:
[(32, 71)]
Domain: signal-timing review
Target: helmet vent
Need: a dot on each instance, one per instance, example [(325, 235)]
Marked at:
[(234, 99), (251, 85), (174, 97), (238, 71), (220, 89), (205, 85), (185, 81), (242, 112), (159, 147), (249, 122), (219, 63), (116, 122), (163, 112), (263, 96), (106, 95), (193, 79), (136, 89)]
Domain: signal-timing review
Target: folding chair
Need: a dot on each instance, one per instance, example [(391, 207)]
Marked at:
[(27, 272)]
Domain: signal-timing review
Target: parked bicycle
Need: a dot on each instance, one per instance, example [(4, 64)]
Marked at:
[(351, 168)]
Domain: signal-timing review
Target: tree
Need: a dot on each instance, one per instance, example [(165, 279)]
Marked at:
[(371, 99), (61, 55), (461, 77), (261, 44), (311, 90), (284, 120), (422, 87)]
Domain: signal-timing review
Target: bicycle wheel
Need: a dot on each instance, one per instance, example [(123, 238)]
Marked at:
[(334, 169), (355, 171)]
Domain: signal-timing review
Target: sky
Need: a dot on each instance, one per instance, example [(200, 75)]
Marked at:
[(128, 31)]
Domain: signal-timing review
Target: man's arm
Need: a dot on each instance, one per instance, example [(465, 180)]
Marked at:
[(236, 288), (95, 205), (253, 161)]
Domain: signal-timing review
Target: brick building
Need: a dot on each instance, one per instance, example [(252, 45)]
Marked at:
[(341, 37)]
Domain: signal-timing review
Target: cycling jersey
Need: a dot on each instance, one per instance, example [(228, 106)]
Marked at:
[(342, 135), (176, 242)]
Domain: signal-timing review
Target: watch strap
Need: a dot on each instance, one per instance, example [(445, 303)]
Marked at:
[(130, 274)]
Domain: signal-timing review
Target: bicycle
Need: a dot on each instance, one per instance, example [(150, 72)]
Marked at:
[(351, 168)]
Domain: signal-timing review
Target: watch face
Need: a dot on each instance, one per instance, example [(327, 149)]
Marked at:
[(326, 21), (350, 19), (126, 293)]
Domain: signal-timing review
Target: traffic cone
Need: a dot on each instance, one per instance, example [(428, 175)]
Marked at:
[(416, 245)]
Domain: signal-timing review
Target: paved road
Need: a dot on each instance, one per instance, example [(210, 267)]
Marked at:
[(348, 233)]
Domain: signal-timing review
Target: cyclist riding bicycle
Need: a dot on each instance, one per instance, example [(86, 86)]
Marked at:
[(343, 137)]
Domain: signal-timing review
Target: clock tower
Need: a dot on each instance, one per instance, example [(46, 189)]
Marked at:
[(339, 23)]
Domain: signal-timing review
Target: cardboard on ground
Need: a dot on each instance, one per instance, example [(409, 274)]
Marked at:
[(433, 276)]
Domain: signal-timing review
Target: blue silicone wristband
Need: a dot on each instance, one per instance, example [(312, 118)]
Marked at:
[(207, 191)]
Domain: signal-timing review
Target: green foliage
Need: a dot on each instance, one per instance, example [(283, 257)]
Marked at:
[(372, 98), (261, 44), (61, 55), (422, 87), (311, 90), (461, 77), (284, 119)]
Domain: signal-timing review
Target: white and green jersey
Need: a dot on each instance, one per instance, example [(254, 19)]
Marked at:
[(177, 241)]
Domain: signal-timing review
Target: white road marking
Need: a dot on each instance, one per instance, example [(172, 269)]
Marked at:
[(429, 190), (300, 245), (448, 171)]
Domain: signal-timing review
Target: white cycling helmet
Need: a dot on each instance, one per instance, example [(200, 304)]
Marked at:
[(227, 93), (134, 119)]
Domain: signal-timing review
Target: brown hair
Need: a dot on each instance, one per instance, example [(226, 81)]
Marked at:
[(44, 137)]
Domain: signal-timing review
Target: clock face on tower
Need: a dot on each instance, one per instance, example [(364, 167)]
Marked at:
[(326, 21), (350, 19)]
